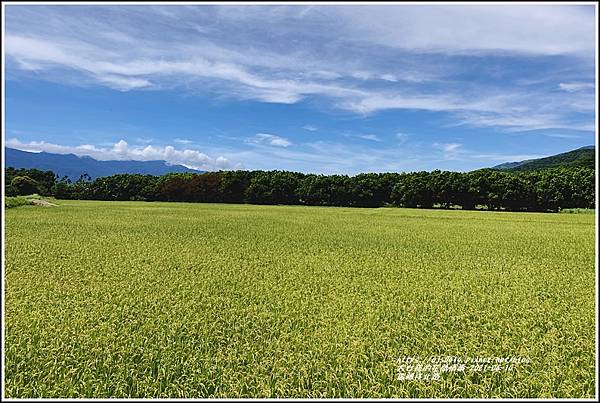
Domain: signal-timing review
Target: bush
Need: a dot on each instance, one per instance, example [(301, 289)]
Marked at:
[(45, 179), (11, 202), (24, 185)]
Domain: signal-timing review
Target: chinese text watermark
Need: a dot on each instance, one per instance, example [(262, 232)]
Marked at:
[(432, 368)]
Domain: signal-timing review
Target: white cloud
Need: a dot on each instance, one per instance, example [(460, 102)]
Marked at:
[(371, 102), (389, 77), (310, 128), (127, 71), (456, 152), (370, 137), (518, 122), (376, 67), (562, 135), (540, 29), (572, 87), (123, 83), (329, 157), (447, 147), (269, 139), (450, 151), (451, 29), (125, 152), (183, 141), (402, 136)]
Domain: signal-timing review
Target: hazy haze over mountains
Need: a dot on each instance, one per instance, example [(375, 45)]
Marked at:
[(74, 166)]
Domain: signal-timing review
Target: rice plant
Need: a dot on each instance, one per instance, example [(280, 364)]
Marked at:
[(134, 299)]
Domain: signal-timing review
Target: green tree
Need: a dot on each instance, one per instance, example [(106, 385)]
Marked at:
[(274, 187), (24, 185), (413, 190), (323, 190)]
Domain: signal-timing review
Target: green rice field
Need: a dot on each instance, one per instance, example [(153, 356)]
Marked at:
[(137, 299)]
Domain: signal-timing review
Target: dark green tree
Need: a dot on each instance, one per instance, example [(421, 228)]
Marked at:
[(24, 185)]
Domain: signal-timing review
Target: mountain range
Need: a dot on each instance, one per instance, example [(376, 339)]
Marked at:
[(74, 166), (581, 157)]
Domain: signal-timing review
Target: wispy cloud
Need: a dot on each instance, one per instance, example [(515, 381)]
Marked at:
[(457, 152), (123, 151), (269, 139), (402, 137), (476, 28), (383, 66), (329, 157), (451, 151), (522, 122), (370, 137), (448, 147), (562, 135), (462, 69), (572, 87)]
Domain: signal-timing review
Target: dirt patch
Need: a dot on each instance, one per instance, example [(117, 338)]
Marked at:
[(43, 203)]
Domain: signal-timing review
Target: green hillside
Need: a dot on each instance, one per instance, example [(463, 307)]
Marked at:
[(582, 157)]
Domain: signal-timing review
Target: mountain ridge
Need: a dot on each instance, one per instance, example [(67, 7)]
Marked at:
[(580, 157), (73, 166)]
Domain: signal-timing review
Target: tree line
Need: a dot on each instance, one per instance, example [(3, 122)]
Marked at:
[(544, 190)]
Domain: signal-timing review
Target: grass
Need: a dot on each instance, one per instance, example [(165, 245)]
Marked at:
[(18, 201), (134, 299), (578, 211)]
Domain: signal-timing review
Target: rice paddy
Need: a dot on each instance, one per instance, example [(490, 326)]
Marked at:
[(135, 299)]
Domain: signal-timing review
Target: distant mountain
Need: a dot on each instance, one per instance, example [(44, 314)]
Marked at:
[(74, 166), (581, 157)]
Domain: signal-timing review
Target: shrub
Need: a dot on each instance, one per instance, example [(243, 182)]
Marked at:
[(24, 185)]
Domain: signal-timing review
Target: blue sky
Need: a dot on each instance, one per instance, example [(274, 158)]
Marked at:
[(324, 89)]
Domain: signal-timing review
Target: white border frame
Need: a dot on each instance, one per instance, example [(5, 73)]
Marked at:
[(248, 3)]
